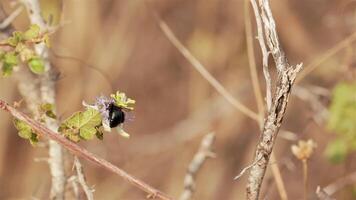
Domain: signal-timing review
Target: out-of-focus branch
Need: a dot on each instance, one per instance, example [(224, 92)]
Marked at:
[(6, 22), (265, 55), (81, 179), (326, 192), (203, 153), (73, 180), (81, 152), (47, 94), (340, 183), (322, 195), (330, 52), (286, 76), (202, 70), (252, 62)]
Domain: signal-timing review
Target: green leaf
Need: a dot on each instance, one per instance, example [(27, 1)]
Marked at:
[(48, 110), (2, 54), (343, 109), (84, 124), (7, 70), (32, 32), (336, 151), (87, 132), (16, 38), (10, 58), (36, 65), (25, 131), (9, 61)]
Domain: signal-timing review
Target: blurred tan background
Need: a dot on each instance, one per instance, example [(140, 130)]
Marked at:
[(175, 105)]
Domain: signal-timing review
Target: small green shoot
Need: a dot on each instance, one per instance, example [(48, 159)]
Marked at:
[(25, 131)]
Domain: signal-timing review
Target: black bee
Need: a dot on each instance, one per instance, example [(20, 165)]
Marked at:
[(116, 115)]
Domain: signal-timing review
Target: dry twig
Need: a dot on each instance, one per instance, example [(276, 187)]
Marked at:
[(202, 70), (252, 62), (277, 105), (340, 183), (257, 90), (322, 195), (194, 166), (81, 152), (81, 179), (6, 22)]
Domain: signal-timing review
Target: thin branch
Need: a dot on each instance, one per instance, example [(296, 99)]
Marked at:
[(81, 179), (6, 22), (286, 76), (202, 70), (244, 170), (278, 178), (332, 51), (252, 62), (81, 152), (322, 195), (73, 180), (275, 168), (195, 165), (265, 55), (340, 183), (47, 93)]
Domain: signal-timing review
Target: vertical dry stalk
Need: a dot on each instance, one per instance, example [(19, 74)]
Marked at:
[(276, 105), (81, 179), (194, 166), (257, 90), (252, 62), (47, 95), (305, 178)]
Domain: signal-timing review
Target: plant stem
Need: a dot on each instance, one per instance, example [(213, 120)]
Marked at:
[(81, 152), (305, 178)]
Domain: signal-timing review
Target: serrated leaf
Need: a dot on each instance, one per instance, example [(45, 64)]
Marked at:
[(36, 65), (336, 151), (32, 32), (24, 130), (6, 70), (87, 132), (15, 39), (10, 58), (48, 110), (83, 124), (9, 61)]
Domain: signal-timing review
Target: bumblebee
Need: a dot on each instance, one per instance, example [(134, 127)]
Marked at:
[(116, 115)]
